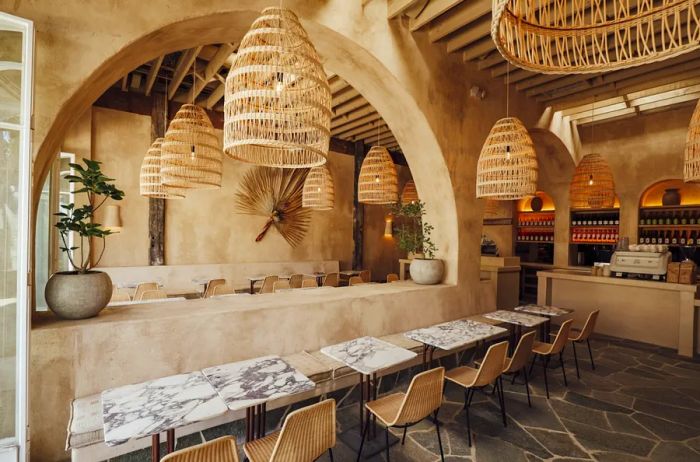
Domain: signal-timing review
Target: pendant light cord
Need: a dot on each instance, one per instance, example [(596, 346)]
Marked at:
[(507, 88)]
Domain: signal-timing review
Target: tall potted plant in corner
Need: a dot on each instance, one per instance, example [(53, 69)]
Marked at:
[(83, 292), (413, 234)]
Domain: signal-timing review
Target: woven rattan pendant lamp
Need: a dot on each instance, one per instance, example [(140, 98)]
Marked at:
[(409, 195), (151, 182), (592, 186), (277, 109), (378, 182), (592, 36), (191, 157), (319, 191), (691, 165)]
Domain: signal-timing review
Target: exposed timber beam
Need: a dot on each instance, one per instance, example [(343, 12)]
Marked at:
[(184, 63), (153, 74), (458, 17), (211, 70)]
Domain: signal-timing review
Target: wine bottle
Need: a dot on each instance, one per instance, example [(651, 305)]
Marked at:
[(667, 238), (676, 220), (684, 218), (674, 238), (693, 239), (684, 238)]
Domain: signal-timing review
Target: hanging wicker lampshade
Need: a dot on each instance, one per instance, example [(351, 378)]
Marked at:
[(319, 192), (277, 109), (190, 154), (409, 195), (592, 185), (691, 164), (151, 184), (507, 166), (378, 181), (592, 36)]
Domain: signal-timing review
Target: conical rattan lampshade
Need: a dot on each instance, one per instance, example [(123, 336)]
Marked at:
[(507, 167), (592, 185), (190, 155), (691, 165), (150, 180), (319, 192), (277, 109), (378, 181), (409, 195)]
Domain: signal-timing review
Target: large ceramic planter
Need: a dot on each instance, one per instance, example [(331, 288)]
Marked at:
[(426, 271), (72, 295)]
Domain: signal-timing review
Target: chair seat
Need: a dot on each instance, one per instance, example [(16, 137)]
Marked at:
[(260, 450), (542, 348), (463, 375), (387, 407), (575, 335)]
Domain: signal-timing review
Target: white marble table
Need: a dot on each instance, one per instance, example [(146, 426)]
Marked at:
[(149, 408), (261, 277), (542, 310), (513, 317), (252, 383)]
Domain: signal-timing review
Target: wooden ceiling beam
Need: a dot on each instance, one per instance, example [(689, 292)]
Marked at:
[(689, 98), (347, 94), (478, 49), (538, 79), (211, 70), (473, 32), (184, 63), (432, 10), (349, 106), (491, 60), (368, 119), (215, 96), (337, 85), (395, 8), (125, 83), (349, 117), (362, 130), (153, 74), (371, 132), (458, 17)]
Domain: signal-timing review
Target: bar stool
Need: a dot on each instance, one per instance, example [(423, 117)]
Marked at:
[(403, 410), (488, 372), (219, 450), (546, 350), (305, 435), (584, 335)]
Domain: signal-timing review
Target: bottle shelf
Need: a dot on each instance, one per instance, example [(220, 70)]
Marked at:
[(670, 208), (695, 227), (594, 242), (537, 227), (519, 241), (595, 226)]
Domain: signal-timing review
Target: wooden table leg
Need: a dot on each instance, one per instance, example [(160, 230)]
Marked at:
[(252, 287), (171, 440), (155, 447)]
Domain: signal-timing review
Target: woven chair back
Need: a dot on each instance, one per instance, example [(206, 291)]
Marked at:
[(331, 280), (423, 397), (219, 450), (281, 284), (309, 282), (295, 281), (522, 352), (355, 280), (223, 290), (561, 338), (143, 287), (153, 295), (120, 296), (307, 433), (211, 285), (492, 365), (589, 327), (366, 276), (268, 284)]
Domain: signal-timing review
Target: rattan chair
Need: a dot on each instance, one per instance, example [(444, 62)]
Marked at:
[(219, 450), (306, 434), (488, 372), (355, 280), (583, 335), (391, 277), (211, 285), (143, 287), (517, 364), (119, 296), (282, 284), (309, 282), (331, 280), (403, 410), (295, 280), (223, 290), (153, 295), (366, 276), (546, 350), (268, 285)]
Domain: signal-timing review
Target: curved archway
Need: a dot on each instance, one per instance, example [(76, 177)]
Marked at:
[(340, 53)]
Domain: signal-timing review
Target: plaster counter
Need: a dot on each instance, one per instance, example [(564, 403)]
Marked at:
[(135, 343), (653, 312), (503, 292)]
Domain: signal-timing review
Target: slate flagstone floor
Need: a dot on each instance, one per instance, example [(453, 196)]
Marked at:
[(642, 403)]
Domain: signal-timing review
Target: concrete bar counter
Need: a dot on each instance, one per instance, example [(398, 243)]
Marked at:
[(653, 312)]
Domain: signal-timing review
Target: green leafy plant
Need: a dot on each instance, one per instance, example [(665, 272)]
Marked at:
[(79, 220), (413, 233)]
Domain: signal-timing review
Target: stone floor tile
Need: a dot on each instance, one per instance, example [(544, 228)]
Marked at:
[(623, 423), (593, 403), (579, 414), (664, 429), (666, 452), (597, 439), (558, 443), (666, 395), (496, 450), (680, 415), (618, 457), (540, 415), (614, 397)]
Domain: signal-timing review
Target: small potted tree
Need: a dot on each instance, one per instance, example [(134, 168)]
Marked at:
[(83, 292), (413, 236)]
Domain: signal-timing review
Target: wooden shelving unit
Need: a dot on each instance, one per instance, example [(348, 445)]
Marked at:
[(670, 225)]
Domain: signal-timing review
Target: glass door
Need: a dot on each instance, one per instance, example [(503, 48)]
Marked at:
[(16, 45)]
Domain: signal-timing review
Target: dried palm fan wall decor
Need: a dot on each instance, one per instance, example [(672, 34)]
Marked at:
[(691, 165), (409, 195), (507, 166), (276, 194), (378, 181), (590, 36), (592, 185), (319, 191), (190, 154), (277, 109), (150, 179)]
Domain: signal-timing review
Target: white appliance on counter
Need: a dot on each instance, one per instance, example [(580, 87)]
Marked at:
[(641, 265)]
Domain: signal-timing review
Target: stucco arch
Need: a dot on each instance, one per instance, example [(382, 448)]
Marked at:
[(342, 52)]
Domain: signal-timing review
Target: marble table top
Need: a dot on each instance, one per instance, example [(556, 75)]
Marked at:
[(513, 317), (454, 334), (368, 354), (143, 409), (255, 381), (544, 310)]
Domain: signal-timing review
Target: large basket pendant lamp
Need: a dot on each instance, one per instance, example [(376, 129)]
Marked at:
[(150, 179), (378, 181), (507, 166), (592, 186), (691, 165), (319, 191), (190, 154), (409, 195), (277, 101)]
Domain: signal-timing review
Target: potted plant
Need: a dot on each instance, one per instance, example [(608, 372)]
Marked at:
[(413, 236), (83, 292)]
